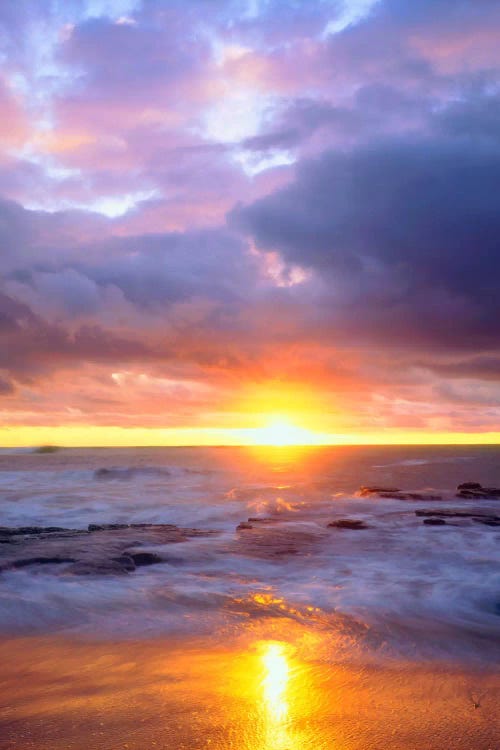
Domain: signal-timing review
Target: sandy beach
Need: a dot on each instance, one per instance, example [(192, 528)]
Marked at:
[(257, 695)]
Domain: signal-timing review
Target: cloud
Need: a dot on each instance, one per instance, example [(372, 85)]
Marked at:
[(405, 231)]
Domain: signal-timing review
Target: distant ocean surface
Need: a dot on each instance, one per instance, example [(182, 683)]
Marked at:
[(398, 587)]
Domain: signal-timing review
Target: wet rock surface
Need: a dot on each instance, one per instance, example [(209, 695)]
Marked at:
[(393, 493), (277, 541), (348, 523), (376, 490), (103, 549), (434, 517), (475, 491)]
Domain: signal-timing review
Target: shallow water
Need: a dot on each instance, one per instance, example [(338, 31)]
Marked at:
[(249, 694), (397, 589)]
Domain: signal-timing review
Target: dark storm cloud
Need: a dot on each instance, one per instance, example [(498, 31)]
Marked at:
[(29, 344), (161, 269), (405, 227), (64, 257)]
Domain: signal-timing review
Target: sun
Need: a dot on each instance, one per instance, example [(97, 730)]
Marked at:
[(280, 432)]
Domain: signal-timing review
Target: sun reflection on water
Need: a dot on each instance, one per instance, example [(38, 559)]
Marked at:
[(275, 687), (275, 681)]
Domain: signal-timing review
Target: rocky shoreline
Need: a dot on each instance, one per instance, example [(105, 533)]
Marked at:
[(119, 549), (101, 549)]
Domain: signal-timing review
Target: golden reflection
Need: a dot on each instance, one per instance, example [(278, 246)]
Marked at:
[(275, 686), (275, 681)]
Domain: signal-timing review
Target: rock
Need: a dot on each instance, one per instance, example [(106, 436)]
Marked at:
[(32, 530), (104, 473), (260, 520), (469, 486), (47, 449), (475, 491), (107, 526), (126, 562), (393, 493), (24, 563), (244, 525), (434, 522), (368, 491), (276, 541), (487, 520), (145, 558), (97, 568), (107, 549), (348, 523), (420, 496)]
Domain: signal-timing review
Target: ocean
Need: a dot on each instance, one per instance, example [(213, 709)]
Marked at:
[(395, 588)]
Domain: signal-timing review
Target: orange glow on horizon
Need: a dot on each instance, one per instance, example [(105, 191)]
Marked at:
[(88, 435)]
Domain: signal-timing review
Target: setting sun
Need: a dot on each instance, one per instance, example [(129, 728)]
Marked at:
[(281, 432)]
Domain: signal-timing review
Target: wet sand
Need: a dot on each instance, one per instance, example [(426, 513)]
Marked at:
[(250, 694)]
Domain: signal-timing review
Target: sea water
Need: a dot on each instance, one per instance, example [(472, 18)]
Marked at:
[(396, 588)]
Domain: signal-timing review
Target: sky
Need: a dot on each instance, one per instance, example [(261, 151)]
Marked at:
[(224, 218)]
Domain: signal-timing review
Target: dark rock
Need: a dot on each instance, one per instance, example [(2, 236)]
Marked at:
[(104, 473), (159, 526), (30, 530), (244, 525), (106, 549), (487, 520), (469, 486), (393, 493), (24, 563), (47, 449), (126, 562), (434, 522), (97, 568), (368, 491), (454, 513), (475, 491), (107, 526), (145, 558), (348, 523), (260, 520), (421, 496)]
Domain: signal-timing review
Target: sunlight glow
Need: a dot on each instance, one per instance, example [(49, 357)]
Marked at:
[(280, 432), (275, 681)]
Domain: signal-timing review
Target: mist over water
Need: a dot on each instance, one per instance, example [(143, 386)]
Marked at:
[(395, 588)]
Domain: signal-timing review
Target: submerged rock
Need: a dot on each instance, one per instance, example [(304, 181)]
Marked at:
[(434, 522), (107, 526), (348, 523), (103, 549), (24, 563), (47, 449), (368, 491), (393, 493), (244, 525), (487, 520), (35, 530), (475, 491), (433, 517), (145, 558), (452, 513)]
